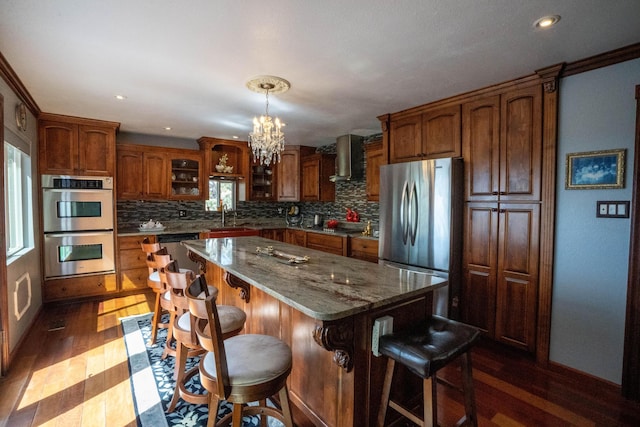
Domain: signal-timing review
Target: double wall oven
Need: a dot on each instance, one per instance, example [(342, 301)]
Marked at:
[(78, 225)]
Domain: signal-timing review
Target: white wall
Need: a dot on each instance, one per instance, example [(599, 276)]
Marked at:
[(597, 112), (24, 287)]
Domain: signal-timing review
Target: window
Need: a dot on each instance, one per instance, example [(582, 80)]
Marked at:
[(221, 193), (18, 210)]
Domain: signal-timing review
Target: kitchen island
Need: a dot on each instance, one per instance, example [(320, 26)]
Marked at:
[(324, 307)]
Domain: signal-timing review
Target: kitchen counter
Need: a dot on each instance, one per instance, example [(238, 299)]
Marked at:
[(324, 309), (180, 227), (327, 287)]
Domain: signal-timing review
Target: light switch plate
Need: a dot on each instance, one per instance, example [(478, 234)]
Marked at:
[(381, 326), (612, 209)]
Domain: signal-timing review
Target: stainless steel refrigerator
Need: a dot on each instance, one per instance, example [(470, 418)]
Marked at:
[(421, 223)]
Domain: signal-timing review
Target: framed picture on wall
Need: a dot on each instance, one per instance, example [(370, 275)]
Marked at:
[(595, 170)]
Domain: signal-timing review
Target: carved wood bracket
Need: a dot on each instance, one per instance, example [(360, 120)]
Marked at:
[(237, 283), (202, 263), (337, 337)]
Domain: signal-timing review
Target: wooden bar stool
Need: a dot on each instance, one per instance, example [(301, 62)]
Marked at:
[(232, 320), (153, 282), (424, 349), (241, 369)]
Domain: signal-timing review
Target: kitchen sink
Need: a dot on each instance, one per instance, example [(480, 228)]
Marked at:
[(232, 232)]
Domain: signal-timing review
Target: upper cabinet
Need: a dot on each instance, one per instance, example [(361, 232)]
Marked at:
[(186, 175), (502, 146), (374, 155), (158, 173), (235, 155), (288, 172), (76, 146), (429, 134), (316, 170), (262, 182)]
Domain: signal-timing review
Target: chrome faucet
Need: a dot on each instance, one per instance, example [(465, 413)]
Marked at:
[(224, 209)]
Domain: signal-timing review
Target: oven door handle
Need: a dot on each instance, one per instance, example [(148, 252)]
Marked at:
[(79, 233)]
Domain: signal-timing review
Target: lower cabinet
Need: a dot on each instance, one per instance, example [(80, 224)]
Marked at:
[(295, 237), (78, 287), (274, 234), (364, 249), (327, 243), (500, 277), (133, 272)]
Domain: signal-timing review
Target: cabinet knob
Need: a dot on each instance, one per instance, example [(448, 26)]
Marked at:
[(494, 193), (99, 284), (494, 209)]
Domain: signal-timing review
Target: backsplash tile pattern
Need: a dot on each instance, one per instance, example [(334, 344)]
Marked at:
[(349, 194)]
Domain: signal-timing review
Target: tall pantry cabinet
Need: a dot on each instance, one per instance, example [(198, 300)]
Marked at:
[(502, 150)]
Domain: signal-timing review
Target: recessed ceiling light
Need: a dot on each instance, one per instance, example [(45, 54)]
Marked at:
[(167, 128), (121, 97), (546, 21), (235, 137)]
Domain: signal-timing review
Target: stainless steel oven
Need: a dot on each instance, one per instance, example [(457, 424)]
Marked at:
[(75, 203), (78, 225), (70, 254)]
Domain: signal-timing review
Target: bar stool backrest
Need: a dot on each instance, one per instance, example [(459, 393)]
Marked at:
[(202, 305)]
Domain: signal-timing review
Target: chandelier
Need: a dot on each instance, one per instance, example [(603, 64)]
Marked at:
[(267, 139)]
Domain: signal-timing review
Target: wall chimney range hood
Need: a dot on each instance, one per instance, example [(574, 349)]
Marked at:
[(349, 158)]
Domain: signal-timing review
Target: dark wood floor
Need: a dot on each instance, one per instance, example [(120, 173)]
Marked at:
[(78, 375)]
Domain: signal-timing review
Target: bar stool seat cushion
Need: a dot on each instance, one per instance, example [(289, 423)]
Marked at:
[(251, 359), (430, 345)]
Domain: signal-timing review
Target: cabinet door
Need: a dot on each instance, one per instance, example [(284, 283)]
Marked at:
[(374, 159), (129, 177), (155, 173), (289, 176), (521, 144), (58, 148), (406, 139), (478, 300), (296, 237), (481, 148), (96, 150), (517, 281), (310, 171), (441, 132), (186, 174)]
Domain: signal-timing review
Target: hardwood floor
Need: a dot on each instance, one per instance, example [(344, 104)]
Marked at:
[(78, 376)]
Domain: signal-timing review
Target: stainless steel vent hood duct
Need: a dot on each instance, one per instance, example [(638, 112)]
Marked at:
[(349, 158)]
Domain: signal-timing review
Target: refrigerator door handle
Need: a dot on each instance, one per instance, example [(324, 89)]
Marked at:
[(404, 212), (413, 212)]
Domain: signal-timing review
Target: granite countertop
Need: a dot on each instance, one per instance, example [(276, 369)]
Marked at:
[(326, 287)]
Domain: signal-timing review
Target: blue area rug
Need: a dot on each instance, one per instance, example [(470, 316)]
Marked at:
[(152, 383)]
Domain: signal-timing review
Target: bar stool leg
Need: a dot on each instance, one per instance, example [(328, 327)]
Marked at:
[(386, 390), (430, 402), (471, 417), (157, 312)]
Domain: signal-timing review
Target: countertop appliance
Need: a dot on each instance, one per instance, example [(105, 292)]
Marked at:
[(77, 217), (421, 223)]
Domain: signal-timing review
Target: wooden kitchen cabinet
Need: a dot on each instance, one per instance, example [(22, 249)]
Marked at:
[(288, 172), (142, 173), (502, 150), (316, 170), (133, 271), (76, 146), (433, 133), (502, 146), (295, 237), (374, 156), (500, 258), (79, 287), (274, 234), (362, 248), (328, 243), (263, 182), (186, 175)]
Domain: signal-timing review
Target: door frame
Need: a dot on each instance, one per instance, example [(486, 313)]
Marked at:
[(631, 359), (4, 303)]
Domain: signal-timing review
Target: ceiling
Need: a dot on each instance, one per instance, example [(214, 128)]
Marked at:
[(185, 64)]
